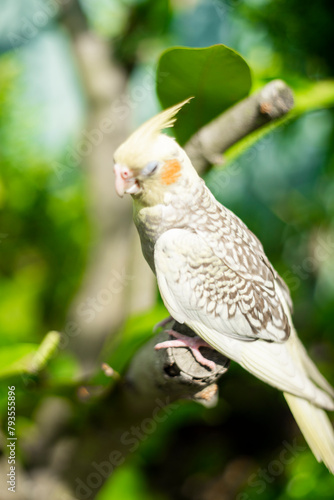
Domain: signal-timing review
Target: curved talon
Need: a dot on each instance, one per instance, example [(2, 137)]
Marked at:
[(194, 343)]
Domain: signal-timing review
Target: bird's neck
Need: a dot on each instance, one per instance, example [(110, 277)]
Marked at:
[(173, 212)]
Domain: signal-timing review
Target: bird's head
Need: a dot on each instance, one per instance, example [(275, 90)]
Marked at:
[(150, 163)]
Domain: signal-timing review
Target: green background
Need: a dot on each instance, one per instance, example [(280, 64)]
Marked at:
[(282, 187)]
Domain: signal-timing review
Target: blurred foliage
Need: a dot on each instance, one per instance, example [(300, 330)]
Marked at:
[(298, 30), (128, 483), (280, 181), (146, 24), (43, 223), (133, 335)]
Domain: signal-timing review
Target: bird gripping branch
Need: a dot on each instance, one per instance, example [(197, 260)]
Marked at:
[(214, 276)]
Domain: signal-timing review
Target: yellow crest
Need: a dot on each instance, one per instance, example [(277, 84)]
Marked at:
[(139, 142)]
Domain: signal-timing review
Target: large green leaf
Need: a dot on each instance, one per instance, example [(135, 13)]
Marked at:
[(216, 76)]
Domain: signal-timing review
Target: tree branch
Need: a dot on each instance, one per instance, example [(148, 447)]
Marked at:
[(153, 383), (273, 101), (174, 372)]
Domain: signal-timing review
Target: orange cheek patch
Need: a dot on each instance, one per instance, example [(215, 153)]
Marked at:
[(170, 172)]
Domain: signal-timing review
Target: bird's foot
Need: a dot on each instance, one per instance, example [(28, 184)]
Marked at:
[(194, 343), (162, 323)]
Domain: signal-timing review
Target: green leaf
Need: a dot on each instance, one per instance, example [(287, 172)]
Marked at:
[(63, 369), (16, 359), (313, 96), (137, 330), (27, 358), (127, 482), (216, 76), (45, 351)]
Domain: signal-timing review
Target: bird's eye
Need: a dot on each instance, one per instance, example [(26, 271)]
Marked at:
[(150, 168), (125, 173)]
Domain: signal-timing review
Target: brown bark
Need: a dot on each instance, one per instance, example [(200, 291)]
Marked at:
[(206, 147)]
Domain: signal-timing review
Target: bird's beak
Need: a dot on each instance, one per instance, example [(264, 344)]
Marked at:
[(119, 181), (125, 182)]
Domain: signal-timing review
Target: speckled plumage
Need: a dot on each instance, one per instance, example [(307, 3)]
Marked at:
[(214, 276), (230, 275)]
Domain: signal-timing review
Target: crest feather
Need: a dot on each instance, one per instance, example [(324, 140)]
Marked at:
[(148, 132)]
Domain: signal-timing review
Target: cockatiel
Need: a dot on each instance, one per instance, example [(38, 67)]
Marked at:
[(214, 276)]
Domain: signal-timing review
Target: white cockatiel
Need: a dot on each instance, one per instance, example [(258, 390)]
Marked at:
[(214, 276)]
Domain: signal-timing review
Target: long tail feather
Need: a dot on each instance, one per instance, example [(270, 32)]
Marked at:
[(313, 371), (316, 428)]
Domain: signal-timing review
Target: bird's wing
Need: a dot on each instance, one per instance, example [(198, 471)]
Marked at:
[(226, 310), (198, 284), (241, 249)]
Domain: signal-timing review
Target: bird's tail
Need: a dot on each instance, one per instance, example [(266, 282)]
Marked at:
[(316, 428), (311, 369), (313, 420)]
